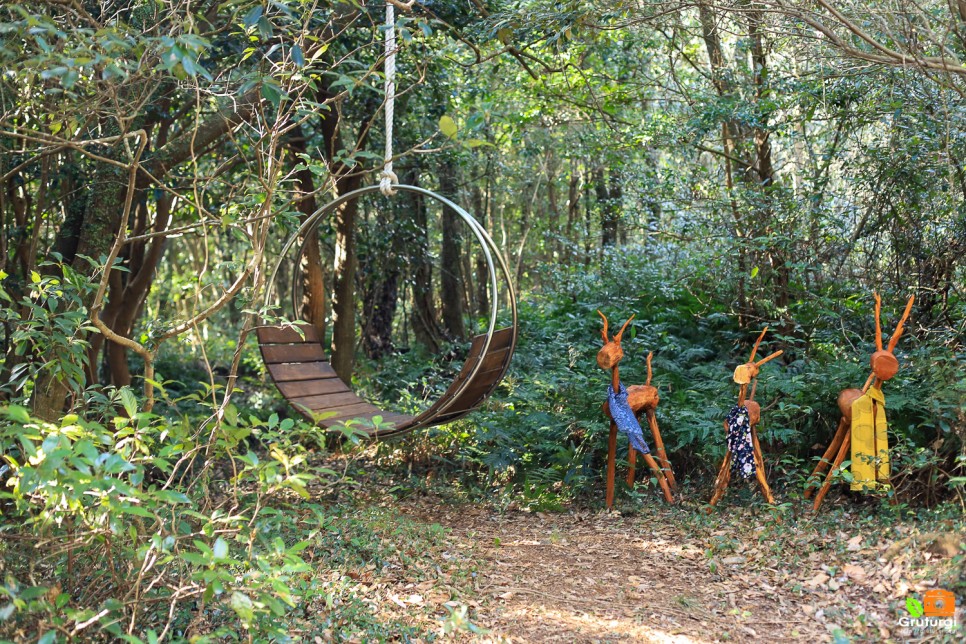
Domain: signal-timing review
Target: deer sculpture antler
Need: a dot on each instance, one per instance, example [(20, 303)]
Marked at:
[(623, 407), (862, 425)]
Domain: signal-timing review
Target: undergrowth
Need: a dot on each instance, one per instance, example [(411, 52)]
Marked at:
[(198, 522), (542, 436)]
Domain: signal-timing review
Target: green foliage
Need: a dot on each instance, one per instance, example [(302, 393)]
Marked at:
[(135, 530), (48, 323), (545, 436)]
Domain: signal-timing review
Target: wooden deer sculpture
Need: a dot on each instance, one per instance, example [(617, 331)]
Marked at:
[(745, 415), (640, 398), (863, 423)]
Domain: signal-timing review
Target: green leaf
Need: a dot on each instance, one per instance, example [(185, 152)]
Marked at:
[(129, 401), (754, 272), (243, 606), (135, 510), (447, 126), (914, 606), (18, 414), (252, 17), (220, 549), (172, 496)]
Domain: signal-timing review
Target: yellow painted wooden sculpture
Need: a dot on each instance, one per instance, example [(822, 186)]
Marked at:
[(863, 424), (744, 457), (623, 407)]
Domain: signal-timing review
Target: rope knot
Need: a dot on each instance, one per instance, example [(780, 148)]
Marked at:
[(386, 180)]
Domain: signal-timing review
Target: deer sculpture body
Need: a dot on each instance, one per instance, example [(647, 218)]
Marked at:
[(746, 414), (640, 399), (870, 451)]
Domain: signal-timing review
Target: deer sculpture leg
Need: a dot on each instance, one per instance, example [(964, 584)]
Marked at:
[(721, 482), (659, 448), (631, 466), (843, 432), (659, 475), (611, 463), (843, 450), (833, 448), (760, 467)]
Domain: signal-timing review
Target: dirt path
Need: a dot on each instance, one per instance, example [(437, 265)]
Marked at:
[(675, 575)]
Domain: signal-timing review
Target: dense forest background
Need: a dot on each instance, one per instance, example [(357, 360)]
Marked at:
[(712, 167)]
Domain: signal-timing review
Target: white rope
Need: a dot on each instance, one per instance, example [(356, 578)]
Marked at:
[(387, 177)]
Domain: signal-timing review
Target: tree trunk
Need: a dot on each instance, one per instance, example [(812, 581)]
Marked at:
[(588, 218), (379, 309), (424, 324), (96, 235), (381, 272), (554, 207), (90, 231), (310, 263), (573, 209), (609, 209), (780, 274), (482, 283), (344, 276), (451, 269), (730, 131), (616, 202)]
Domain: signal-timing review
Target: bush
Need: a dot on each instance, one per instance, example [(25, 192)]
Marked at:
[(544, 434)]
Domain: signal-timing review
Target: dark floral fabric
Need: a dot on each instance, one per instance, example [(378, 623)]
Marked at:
[(624, 418), (739, 443)]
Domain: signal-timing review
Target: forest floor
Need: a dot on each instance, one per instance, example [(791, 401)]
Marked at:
[(746, 572)]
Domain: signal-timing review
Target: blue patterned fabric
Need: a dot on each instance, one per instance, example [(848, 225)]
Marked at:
[(739, 443), (625, 419)]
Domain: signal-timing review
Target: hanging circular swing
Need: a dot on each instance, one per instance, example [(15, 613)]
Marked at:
[(295, 355), (297, 362)]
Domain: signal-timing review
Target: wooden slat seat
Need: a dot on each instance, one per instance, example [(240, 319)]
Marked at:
[(298, 365), (479, 389), (499, 345)]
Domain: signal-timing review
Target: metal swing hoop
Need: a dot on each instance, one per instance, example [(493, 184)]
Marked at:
[(486, 243)]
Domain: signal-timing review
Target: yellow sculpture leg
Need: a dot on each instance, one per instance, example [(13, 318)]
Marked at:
[(870, 443)]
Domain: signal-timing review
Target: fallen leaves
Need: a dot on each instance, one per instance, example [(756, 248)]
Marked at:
[(817, 581), (854, 571), (854, 544), (666, 574)]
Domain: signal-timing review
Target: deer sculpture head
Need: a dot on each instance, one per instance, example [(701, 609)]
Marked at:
[(611, 353), (748, 373), (883, 362)]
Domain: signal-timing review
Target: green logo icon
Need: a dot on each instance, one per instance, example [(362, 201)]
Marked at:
[(914, 606)]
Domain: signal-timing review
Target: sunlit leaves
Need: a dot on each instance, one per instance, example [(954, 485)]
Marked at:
[(447, 126)]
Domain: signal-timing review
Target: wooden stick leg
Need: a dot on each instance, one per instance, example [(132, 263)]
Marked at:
[(843, 450), (833, 448), (631, 465), (721, 482), (611, 464), (661, 479), (659, 448), (760, 468)]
